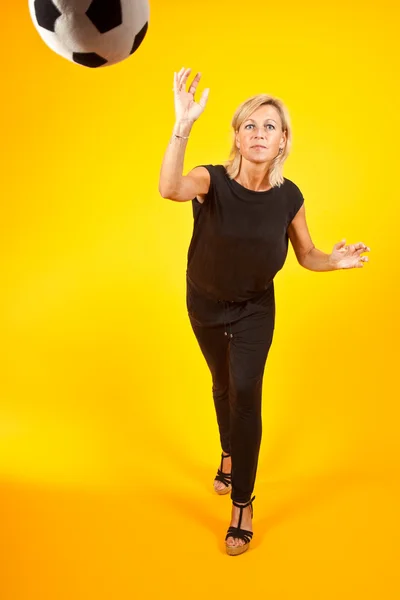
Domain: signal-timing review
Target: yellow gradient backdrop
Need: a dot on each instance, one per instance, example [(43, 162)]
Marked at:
[(108, 438)]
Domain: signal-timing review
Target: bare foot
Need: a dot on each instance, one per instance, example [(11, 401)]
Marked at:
[(245, 524), (226, 468)]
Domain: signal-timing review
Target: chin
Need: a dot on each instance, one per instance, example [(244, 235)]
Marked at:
[(260, 160)]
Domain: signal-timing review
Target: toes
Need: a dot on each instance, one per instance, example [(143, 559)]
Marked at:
[(234, 541)]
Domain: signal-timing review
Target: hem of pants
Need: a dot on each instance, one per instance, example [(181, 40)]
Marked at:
[(240, 500)]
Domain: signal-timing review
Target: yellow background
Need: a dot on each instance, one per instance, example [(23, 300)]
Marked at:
[(109, 442)]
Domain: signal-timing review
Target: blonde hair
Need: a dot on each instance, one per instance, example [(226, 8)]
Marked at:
[(243, 112)]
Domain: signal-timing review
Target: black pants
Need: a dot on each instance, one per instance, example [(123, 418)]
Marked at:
[(235, 339)]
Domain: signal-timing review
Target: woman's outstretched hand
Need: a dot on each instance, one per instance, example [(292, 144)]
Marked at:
[(186, 109), (348, 257)]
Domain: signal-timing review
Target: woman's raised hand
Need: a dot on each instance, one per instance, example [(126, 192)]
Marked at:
[(185, 106)]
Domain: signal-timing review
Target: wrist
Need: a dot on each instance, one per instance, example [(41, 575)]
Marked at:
[(334, 265), (183, 127)]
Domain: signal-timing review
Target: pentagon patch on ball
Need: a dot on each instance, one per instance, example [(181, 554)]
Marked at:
[(92, 33)]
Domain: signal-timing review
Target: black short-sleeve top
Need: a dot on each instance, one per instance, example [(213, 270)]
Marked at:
[(239, 239)]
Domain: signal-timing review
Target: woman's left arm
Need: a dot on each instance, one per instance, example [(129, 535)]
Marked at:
[(341, 257)]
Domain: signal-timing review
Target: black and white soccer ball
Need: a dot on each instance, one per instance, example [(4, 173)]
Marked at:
[(92, 33)]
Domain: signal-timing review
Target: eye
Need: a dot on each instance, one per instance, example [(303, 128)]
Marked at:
[(252, 125)]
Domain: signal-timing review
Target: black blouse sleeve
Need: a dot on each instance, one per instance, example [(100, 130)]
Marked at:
[(210, 170), (297, 202)]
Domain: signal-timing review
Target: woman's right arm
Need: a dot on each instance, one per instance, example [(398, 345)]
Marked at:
[(173, 184)]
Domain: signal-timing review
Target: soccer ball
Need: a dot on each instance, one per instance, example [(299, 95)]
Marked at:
[(92, 33)]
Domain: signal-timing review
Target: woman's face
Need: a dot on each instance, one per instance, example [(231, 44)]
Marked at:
[(260, 136)]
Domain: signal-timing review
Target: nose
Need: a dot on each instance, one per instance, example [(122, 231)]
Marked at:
[(259, 133)]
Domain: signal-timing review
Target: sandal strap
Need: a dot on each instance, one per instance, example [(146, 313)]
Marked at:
[(222, 459), (226, 478), (242, 506), (236, 532)]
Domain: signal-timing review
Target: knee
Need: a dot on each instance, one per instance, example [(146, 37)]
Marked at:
[(247, 387), (220, 387), (250, 413), (246, 399)]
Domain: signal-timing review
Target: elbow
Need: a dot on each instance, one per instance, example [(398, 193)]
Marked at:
[(167, 192), (170, 195), (164, 192), (303, 264), (302, 258)]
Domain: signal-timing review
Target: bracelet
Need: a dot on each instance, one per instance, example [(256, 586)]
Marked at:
[(182, 137)]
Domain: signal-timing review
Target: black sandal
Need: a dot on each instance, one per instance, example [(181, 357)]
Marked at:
[(236, 532), (226, 478)]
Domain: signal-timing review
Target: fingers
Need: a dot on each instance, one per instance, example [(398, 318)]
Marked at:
[(177, 78), (204, 98), (184, 77), (194, 84), (361, 261), (340, 244), (181, 78), (359, 247)]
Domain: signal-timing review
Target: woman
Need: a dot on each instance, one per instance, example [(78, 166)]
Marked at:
[(244, 213)]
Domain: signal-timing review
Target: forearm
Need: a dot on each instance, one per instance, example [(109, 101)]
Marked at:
[(172, 165), (315, 260)]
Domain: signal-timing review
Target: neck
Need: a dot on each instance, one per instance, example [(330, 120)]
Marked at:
[(254, 176)]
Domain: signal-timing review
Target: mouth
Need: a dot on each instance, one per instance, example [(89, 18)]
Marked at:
[(258, 146)]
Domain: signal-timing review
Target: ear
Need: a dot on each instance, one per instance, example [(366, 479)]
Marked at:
[(237, 140)]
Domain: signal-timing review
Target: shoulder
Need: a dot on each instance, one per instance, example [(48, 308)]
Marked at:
[(291, 187), (209, 172), (214, 175), (293, 193), (294, 198), (214, 169)]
